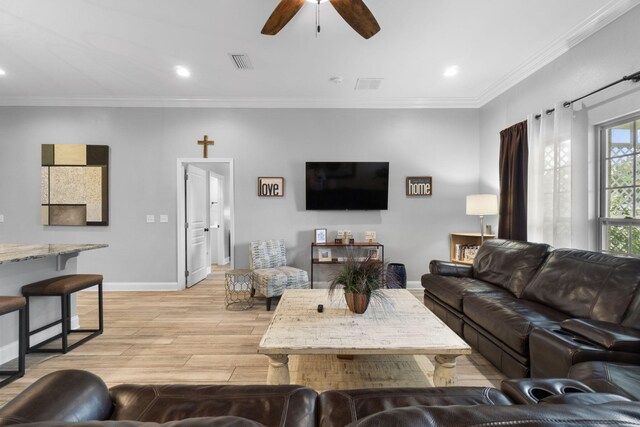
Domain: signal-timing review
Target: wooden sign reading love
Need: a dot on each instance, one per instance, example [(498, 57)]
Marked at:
[(269, 186)]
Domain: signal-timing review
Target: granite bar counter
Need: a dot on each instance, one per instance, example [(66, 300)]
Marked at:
[(21, 264)]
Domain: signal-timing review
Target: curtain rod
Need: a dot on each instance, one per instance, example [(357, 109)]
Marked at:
[(635, 77)]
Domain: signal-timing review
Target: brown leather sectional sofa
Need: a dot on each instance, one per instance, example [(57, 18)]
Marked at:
[(79, 398), (534, 311)]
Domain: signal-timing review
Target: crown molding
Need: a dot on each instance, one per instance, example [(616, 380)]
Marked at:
[(369, 103), (594, 23)]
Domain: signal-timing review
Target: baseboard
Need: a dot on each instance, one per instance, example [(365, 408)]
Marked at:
[(320, 285), (138, 286), (9, 351), (414, 284)]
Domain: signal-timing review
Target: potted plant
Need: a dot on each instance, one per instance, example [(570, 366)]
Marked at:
[(361, 278)]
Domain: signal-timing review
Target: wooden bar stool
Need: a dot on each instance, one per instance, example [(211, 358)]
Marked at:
[(9, 305), (63, 286)]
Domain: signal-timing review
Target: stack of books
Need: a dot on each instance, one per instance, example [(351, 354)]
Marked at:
[(466, 252)]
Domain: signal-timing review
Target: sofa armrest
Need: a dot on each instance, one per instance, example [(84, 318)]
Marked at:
[(610, 336), (445, 268), (584, 399), (68, 395)]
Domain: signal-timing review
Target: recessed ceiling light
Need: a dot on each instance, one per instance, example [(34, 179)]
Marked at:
[(183, 71), (451, 71), (316, 1), (2, 72)]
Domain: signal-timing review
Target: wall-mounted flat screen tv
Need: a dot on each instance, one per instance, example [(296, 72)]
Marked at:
[(347, 185)]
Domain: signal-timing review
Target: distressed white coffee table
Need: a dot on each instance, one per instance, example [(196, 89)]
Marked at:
[(399, 324)]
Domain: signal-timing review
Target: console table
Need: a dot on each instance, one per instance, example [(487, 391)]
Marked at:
[(337, 260)]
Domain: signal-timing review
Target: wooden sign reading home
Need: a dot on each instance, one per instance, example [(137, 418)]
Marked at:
[(419, 186), (270, 186)]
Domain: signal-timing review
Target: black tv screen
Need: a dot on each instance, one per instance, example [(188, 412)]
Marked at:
[(347, 185)]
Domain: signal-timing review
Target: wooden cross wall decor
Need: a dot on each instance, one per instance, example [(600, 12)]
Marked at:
[(206, 144)]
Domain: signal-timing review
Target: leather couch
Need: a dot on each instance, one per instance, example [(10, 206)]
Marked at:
[(608, 377), (79, 398), (535, 311)]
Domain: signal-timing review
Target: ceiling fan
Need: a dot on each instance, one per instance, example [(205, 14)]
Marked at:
[(355, 12)]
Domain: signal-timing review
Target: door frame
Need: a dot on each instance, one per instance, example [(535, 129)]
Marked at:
[(180, 215)]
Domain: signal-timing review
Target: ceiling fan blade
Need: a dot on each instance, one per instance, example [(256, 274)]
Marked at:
[(281, 15), (358, 15)]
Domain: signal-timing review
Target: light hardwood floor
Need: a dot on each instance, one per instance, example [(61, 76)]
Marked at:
[(189, 337)]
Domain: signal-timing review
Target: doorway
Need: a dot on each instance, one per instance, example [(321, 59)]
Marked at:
[(219, 221), (205, 219)]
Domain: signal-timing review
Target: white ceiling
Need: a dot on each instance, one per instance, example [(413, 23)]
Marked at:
[(123, 52)]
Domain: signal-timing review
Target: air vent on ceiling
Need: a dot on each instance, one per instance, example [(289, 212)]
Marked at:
[(368, 84), (241, 61)]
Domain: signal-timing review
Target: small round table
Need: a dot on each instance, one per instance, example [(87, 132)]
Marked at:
[(238, 286)]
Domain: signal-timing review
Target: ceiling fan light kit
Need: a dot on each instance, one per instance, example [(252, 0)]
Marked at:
[(354, 12)]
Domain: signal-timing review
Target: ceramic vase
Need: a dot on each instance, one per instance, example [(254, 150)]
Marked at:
[(357, 303)]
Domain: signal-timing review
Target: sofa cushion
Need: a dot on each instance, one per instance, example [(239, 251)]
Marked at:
[(188, 422), (273, 281), (66, 395), (286, 405), (451, 290), (509, 264), (267, 254), (606, 414), (509, 319), (608, 377), (586, 284), (340, 407)]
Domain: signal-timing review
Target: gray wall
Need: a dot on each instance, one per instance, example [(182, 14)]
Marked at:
[(145, 143), (599, 60)]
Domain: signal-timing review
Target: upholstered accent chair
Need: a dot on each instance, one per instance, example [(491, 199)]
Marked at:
[(268, 260)]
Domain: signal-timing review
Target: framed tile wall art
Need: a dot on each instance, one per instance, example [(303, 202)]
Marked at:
[(74, 184)]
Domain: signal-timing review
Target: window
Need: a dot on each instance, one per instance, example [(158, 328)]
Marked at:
[(620, 187)]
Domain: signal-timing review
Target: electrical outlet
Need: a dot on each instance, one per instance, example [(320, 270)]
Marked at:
[(151, 218), (164, 218), (1, 218)]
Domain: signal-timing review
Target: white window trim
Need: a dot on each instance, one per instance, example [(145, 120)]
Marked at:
[(602, 220)]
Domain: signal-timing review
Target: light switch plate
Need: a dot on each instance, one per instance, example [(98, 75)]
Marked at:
[(1, 218), (164, 218), (151, 218)]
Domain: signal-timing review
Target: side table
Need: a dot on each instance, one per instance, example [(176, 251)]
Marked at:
[(238, 287)]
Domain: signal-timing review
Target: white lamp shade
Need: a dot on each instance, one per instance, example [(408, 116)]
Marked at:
[(482, 204)]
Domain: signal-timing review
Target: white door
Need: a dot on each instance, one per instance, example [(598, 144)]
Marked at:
[(196, 215)]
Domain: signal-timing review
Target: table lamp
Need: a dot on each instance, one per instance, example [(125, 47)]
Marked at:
[(481, 205)]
